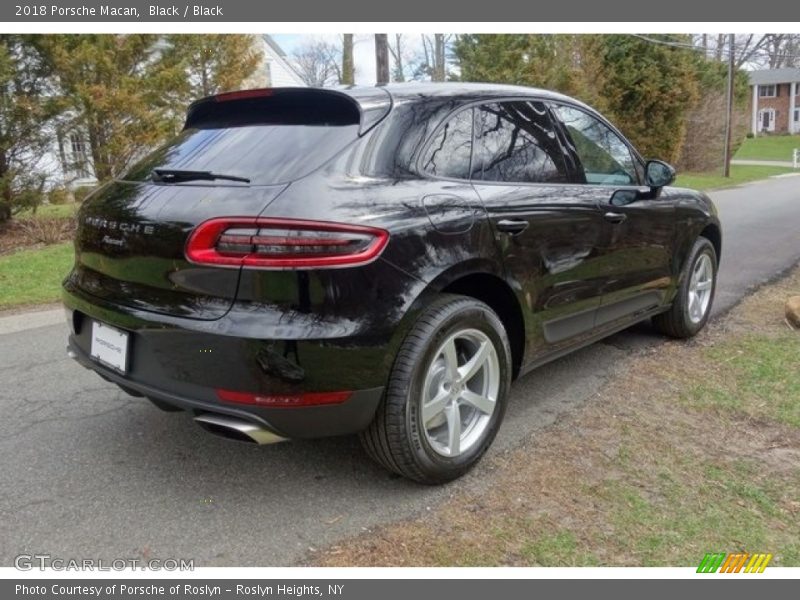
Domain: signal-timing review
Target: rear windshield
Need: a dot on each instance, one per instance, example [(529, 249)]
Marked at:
[(264, 153)]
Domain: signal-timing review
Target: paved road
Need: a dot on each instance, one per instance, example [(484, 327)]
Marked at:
[(764, 163), (90, 472)]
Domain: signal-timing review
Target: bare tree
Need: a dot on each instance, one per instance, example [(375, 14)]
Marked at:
[(381, 58), (318, 63), (783, 50), (771, 50), (398, 72), (348, 69), (748, 48), (433, 62)]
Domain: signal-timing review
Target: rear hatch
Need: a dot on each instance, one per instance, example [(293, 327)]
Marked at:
[(236, 154)]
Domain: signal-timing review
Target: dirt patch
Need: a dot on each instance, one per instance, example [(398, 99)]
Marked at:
[(693, 447)]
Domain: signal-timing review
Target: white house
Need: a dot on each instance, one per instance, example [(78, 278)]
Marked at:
[(68, 162), (276, 69)]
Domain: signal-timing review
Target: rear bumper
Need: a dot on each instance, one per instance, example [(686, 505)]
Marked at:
[(183, 363), (350, 417)]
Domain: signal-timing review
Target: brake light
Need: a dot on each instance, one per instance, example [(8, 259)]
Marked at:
[(269, 243), (243, 95), (284, 400)]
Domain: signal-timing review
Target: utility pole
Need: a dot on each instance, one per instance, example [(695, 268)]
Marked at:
[(382, 58), (729, 114)]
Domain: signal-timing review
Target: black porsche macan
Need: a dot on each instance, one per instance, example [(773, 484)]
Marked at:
[(302, 263)]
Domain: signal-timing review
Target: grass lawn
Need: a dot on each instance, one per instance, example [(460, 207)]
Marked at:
[(739, 174), (772, 147), (34, 276), (52, 211), (688, 448)]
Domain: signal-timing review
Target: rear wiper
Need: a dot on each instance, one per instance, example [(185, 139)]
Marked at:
[(179, 175)]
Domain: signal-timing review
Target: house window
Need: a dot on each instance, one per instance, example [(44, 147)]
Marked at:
[(80, 162), (766, 91)]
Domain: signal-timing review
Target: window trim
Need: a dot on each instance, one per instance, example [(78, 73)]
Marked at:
[(637, 158), (764, 87), (416, 161)]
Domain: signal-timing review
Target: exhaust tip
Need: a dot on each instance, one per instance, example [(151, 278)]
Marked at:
[(237, 429)]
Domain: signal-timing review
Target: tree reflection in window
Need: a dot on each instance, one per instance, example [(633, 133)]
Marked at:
[(606, 159), (516, 144), (449, 153)]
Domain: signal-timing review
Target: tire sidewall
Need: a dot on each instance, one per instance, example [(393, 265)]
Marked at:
[(472, 316)]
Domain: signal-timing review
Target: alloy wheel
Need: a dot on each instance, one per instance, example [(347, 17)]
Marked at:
[(460, 392)]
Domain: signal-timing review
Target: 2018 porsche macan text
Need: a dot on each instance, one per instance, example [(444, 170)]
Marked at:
[(384, 261)]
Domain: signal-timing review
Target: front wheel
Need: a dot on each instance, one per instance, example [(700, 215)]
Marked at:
[(692, 305), (446, 394)]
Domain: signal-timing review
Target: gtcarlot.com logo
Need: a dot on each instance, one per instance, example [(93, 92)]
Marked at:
[(29, 562)]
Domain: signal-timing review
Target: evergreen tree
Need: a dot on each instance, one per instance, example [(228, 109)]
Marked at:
[(119, 92), (645, 88), (27, 108)]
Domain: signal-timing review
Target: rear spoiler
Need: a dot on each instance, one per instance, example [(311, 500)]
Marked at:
[(297, 106)]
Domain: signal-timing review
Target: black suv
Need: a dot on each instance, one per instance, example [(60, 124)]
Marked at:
[(301, 263)]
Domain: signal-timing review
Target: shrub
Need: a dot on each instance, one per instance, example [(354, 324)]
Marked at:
[(26, 193), (58, 195), (49, 230), (82, 191), (750, 135)]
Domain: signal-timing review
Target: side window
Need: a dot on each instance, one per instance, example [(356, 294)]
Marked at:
[(515, 143), (449, 154), (606, 159)]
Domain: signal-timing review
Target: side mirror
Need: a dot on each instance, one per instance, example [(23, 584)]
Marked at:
[(658, 174)]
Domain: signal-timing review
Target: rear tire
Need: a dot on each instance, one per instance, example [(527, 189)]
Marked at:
[(692, 305), (446, 394)]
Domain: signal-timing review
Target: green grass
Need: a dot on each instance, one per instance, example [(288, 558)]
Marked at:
[(761, 378), (51, 211), (768, 147), (34, 276), (739, 174)]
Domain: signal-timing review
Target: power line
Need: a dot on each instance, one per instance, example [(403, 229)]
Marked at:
[(722, 53)]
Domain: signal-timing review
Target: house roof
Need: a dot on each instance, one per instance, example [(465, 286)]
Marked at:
[(280, 56), (772, 76)]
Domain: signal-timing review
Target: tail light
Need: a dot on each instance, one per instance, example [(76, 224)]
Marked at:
[(283, 243)]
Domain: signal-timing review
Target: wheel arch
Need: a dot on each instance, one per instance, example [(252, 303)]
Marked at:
[(713, 234), (484, 281)]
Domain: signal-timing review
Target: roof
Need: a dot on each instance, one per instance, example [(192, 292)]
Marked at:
[(402, 93), (280, 56), (773, 76), (270, 41), (414, 90)]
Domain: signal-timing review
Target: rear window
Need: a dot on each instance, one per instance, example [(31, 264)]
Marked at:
[(268, 137), (264, 154)]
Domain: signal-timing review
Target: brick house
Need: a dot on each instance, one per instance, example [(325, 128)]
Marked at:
[(775, 101)]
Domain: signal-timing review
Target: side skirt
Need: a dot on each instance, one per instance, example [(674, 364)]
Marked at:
[(602, 333)]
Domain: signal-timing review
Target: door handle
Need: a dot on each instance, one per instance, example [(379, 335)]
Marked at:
[(615, 217), (512, 226)]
